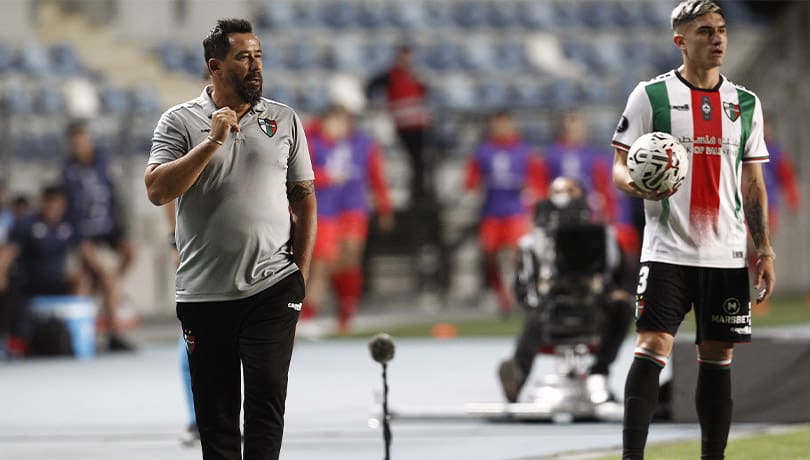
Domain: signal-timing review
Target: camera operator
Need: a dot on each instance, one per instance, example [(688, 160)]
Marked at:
[(543, 287)]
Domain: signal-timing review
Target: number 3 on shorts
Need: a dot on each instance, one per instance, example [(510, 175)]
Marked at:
[(643, 273)]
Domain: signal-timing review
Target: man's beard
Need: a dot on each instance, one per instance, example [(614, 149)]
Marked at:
[(245, 91)]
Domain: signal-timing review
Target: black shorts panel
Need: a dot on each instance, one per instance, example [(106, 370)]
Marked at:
[(720, 296)]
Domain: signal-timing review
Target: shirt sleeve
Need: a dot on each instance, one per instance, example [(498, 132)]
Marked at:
[(756, 151), (636, 119), (299, 164), (169, 141)]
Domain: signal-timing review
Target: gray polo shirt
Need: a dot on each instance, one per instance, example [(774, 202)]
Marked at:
[(233, 224)]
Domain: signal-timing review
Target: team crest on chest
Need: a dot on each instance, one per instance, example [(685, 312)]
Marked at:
[(732, 110), (268, 126)]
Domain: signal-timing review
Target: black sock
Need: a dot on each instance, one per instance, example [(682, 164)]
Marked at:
[(640, 399), (713, 402)]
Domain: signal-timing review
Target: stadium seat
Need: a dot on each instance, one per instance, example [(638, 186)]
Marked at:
[(493, 93), (469, 14), (281, 93), (171, 55), (144, 101), (527, 92), (307, 15), (535, 15), (276, 13), (564, 94), (313, 96), (64, 61), (346, 53), (477, 53), (408, 14), (114, 101), (439, 13), (194, 62), (302, 55), (503, 15), (17, 100), (34, 60), (596, 14), (339, 14), (442, 54), (458, 92), (49, 100), (6, 58)]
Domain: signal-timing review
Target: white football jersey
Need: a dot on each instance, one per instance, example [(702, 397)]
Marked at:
[(702, 224)]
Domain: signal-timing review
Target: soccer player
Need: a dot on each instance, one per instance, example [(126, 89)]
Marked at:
[(239, 167), (94, 209), (571, 156), (512, 177), (693, 250), (348, 168)]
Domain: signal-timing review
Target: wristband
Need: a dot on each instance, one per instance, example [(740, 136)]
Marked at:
[(770, 254), (215, 141)]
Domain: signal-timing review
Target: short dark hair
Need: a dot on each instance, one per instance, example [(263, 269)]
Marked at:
[(53, 191), (216, 44), (76, 126), (689, 10)]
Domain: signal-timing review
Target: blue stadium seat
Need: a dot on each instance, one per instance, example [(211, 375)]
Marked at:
[(597, 14), (34, 59), (511, 55), (144, 100), (6, 58), (339, 14), (469, 13), (281, 93), (379, 55), (628, 13), (535, 14), (408, 14), (194, 62), (439, 13), (17, 100), (276, 14), (564, 94), (347, 53), (307, 14), (493, 93), (64, 61), (528, 93), (114, 101), (302, 55), (503, 15), (441, 55), (171, 55), (478, 54), (49, 100), (566, 14), (373, 14), (457, 92), (313, 97)]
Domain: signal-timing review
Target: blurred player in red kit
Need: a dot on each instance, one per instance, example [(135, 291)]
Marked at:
[(348, 165), (512, 177)]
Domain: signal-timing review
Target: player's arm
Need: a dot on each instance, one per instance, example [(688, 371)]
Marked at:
[(303, 207), (167, 181), (623, 181), (8, 254), (755, 204)]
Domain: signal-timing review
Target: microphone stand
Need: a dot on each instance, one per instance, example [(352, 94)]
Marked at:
[(386, 417)]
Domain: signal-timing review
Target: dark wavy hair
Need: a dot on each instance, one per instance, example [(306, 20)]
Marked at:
[(216, 44)]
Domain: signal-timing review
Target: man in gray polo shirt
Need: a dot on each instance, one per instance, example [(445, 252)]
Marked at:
[(239, 167)]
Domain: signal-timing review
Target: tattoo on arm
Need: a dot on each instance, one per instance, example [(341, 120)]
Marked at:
[(298, 190), (755, 216)]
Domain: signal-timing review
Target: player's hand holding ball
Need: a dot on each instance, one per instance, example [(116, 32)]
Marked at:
[(658, 164)]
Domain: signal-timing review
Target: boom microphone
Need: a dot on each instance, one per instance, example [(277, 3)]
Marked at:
[(381, 347)]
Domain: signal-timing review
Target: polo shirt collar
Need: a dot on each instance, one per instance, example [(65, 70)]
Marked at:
[(209, 107)]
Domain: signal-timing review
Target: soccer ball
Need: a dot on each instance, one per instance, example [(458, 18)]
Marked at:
[(657, 162)]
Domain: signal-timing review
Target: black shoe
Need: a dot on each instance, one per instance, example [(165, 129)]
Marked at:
[(511, 379), (117, 343), (191, 437)]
